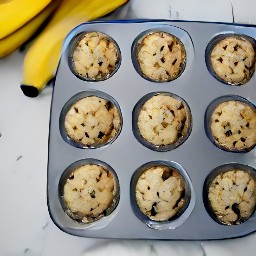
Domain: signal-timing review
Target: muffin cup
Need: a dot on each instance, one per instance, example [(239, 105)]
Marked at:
[(68, 173), (144, 142), (210, 178), (137, 44), (181, 215), (210, 48), (72, 47), (208, 114), (71, 102)]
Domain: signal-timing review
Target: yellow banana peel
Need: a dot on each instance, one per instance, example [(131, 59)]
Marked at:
[(19, 37), (41, 59), (15, 13)]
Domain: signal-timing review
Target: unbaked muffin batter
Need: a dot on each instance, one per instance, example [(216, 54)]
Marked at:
[(160, 193), (92, 121), (163, 120), (233, 60), (161, 56), (233, 125), (232, 196), (95, 56), (88, 192)]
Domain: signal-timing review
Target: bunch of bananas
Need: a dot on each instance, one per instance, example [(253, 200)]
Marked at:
[(44, 24)]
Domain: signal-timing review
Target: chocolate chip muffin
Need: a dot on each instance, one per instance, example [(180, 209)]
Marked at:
[(160, 192), (233, 60), (89, 191), (233, 125), (92, 121), (163, 120), (161, 56), (96, 56), (232, 196)]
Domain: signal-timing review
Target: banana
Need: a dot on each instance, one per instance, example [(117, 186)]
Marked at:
[(20, 36), (15, 13), (41, 59)]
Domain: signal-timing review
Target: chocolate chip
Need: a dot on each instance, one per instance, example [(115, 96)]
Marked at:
[(220, 60), (108, 105), (173, 63), (236, 210), (92, 194), (167, 174), (153, 209), (172, 112), (181, 107), (236, 47), (170, 46), (228, 133), (243, 139), (101, 135)]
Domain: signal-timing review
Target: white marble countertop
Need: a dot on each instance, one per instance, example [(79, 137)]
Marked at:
[(25, 225)]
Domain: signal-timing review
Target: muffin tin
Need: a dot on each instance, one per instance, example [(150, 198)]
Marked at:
[(195, 158)]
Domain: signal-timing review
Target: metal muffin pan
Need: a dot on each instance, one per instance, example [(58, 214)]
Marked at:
[(197, 156)]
